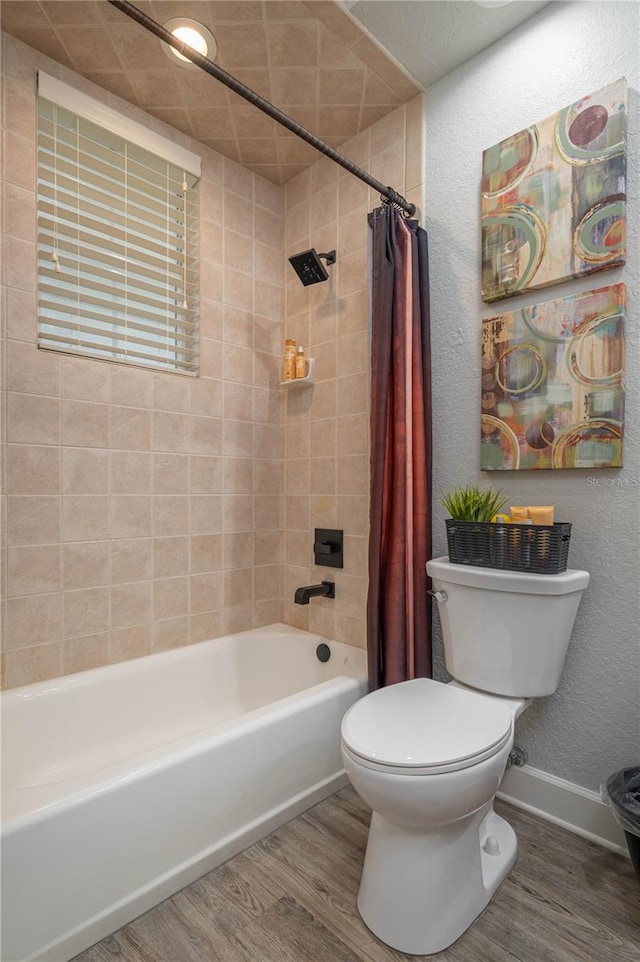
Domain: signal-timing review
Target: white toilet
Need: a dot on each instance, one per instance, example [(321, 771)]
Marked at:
[(428, 757)]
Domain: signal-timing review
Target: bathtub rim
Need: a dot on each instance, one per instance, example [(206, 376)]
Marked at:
[(134, 665), (144, 764), (163, 757)]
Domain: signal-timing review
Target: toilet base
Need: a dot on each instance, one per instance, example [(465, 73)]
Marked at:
[(420, 891)]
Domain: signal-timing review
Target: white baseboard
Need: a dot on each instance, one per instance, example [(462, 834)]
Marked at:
[(572, 807)]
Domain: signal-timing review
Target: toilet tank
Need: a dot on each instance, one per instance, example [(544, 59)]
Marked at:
[(506, 632)]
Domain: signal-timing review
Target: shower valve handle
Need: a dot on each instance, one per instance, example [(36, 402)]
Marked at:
[(324, 547)]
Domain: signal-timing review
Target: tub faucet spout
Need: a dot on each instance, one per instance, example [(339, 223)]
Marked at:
[(325, 590)]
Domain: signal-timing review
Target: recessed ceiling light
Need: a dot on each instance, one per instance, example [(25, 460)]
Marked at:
[(193, 34)]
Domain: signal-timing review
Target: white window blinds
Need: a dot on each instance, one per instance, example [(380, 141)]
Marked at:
[(117, 241)]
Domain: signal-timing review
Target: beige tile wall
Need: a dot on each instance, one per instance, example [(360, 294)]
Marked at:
[(148, 510), (327, 425), (144, 510)]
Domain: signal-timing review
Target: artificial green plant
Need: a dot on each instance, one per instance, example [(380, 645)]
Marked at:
[(472, 503)]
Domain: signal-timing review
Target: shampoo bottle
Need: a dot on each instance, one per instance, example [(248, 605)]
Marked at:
[(289, 372), (301, 364)]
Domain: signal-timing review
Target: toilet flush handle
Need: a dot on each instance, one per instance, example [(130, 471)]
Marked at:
[(440, 596)]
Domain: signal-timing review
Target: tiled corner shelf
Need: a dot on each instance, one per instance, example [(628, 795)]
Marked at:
[(309, 378)]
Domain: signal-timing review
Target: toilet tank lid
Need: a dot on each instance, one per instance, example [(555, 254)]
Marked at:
[(495, 579)]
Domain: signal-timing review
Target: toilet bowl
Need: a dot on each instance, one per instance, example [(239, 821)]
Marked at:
[(428, 756), (428, 759)]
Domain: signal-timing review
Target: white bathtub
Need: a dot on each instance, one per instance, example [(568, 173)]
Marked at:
[(123, 784)]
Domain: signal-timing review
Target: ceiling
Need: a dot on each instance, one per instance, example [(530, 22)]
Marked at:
[(309, 58), (431, 37), (312, 58)]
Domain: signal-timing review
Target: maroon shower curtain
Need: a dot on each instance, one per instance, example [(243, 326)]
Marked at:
[(398, 607)]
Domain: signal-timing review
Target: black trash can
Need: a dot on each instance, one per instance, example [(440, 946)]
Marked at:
[(622, 791)]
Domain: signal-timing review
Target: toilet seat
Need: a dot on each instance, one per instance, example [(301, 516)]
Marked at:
[(425, 727)]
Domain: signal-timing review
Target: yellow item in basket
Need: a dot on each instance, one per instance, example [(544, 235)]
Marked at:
[(519, 515), (542, 514), (501, 519)]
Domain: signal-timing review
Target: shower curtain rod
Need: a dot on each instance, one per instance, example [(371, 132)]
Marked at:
[(386, 193)]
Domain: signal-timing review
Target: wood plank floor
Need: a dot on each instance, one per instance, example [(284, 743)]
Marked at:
[(291, 898)]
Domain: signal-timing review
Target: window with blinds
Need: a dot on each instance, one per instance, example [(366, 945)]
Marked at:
[(117, 244)]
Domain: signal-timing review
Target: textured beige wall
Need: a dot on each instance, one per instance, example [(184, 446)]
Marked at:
[(591, 726), (143, 509), (327, 425)]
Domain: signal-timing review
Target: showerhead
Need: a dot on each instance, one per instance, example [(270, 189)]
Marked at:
[(310, 268)]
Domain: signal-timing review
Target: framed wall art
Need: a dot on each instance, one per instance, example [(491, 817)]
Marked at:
[(552, 384), (554, 197)]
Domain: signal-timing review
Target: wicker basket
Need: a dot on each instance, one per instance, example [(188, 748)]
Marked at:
[(540, 548)]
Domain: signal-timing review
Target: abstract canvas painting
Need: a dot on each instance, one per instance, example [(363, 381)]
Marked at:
[(552, 384), (554, 197)]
